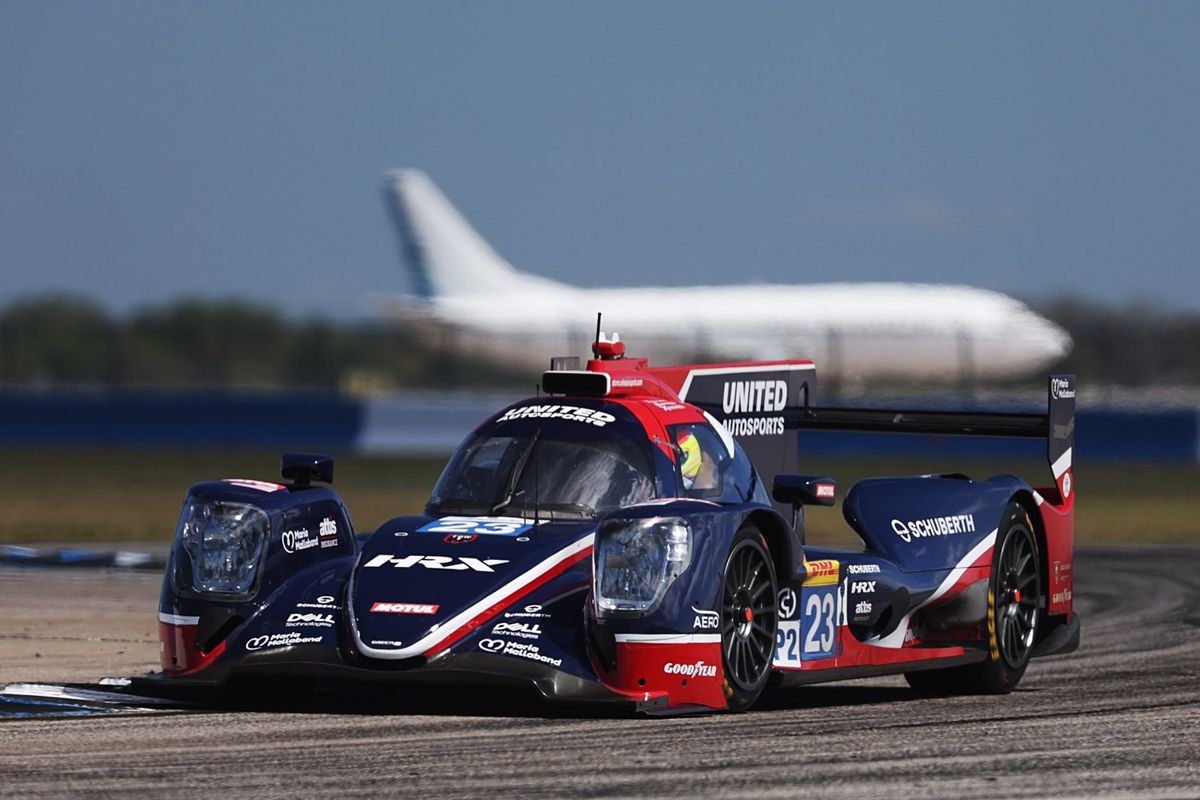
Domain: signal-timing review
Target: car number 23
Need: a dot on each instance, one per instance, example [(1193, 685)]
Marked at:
[(485, 526), (814, 635)]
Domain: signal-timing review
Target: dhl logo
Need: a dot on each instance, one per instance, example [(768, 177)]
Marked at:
[(822, 573)]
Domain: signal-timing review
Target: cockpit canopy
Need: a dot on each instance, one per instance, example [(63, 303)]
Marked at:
[(568, 461), (582, 459)]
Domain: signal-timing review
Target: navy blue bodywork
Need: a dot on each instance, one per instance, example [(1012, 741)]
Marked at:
[(461, 597)]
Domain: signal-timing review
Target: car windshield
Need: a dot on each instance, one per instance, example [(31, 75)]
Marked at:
[(563, 478)]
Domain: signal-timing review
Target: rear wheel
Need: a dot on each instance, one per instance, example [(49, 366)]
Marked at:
[(1014, 598), (748, 619)]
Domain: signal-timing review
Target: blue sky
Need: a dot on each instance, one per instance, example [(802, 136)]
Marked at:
[(149, 150)]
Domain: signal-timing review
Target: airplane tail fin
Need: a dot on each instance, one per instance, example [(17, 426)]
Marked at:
[(444, 254)]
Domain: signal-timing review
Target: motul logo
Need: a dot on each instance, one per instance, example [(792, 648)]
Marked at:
[(404, 608), (437, 562)]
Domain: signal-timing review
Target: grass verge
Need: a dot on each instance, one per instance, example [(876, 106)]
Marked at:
[(95, 494)]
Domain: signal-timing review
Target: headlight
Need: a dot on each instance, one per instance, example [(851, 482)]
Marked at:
[(222, 544), (637, 559)]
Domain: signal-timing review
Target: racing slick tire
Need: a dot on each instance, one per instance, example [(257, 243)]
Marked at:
[(749, 617), (1014, 599)]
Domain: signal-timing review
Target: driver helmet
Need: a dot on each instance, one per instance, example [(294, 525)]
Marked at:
[(690, 457)]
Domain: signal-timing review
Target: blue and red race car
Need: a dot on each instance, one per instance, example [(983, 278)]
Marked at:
[(636, 535)]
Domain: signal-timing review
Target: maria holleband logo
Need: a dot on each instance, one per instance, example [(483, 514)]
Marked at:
[(1062, 388), (934, 526)]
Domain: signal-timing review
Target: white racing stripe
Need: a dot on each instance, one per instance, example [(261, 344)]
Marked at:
[(176, 619), (452, 625), (1061, 464), (896, 637), (669, 638)]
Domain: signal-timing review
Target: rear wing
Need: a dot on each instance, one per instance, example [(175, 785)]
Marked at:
[(1056, 426)]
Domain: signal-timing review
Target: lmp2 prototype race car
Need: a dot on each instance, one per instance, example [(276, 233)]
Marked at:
[(635, 535)]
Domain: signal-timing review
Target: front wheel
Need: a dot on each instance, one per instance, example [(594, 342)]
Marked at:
[(1014, 598), (748, 619)]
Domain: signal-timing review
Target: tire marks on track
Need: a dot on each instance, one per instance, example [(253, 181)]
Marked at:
[(1118, 718)]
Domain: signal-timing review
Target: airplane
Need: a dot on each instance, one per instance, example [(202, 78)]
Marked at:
[(857, 332)]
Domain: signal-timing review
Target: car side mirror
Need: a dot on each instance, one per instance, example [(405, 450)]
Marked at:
[(804, 490), (303, 468)]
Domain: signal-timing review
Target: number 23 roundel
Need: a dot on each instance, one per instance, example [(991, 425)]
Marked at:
[(487, 526), (814, 635)]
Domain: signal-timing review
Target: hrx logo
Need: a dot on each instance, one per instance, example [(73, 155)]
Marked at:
[(437, 562)]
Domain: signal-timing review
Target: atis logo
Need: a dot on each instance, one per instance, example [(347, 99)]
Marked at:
[(934, 526), (328, 532), (449, 563)]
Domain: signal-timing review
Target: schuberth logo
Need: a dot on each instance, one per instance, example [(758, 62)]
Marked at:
[(934, 526)]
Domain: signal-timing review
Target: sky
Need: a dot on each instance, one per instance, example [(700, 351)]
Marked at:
[(150, 150)]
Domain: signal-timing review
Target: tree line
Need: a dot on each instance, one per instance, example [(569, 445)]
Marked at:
[(67, 340)]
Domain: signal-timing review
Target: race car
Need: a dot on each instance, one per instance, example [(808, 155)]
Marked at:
[(635, 535)]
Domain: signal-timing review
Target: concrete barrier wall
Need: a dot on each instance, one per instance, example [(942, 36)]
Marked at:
[(434, 423)]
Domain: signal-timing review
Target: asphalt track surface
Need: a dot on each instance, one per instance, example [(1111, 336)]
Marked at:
[(1118, 718)]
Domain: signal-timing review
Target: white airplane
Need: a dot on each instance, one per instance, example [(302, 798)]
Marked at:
[(854, 331)]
